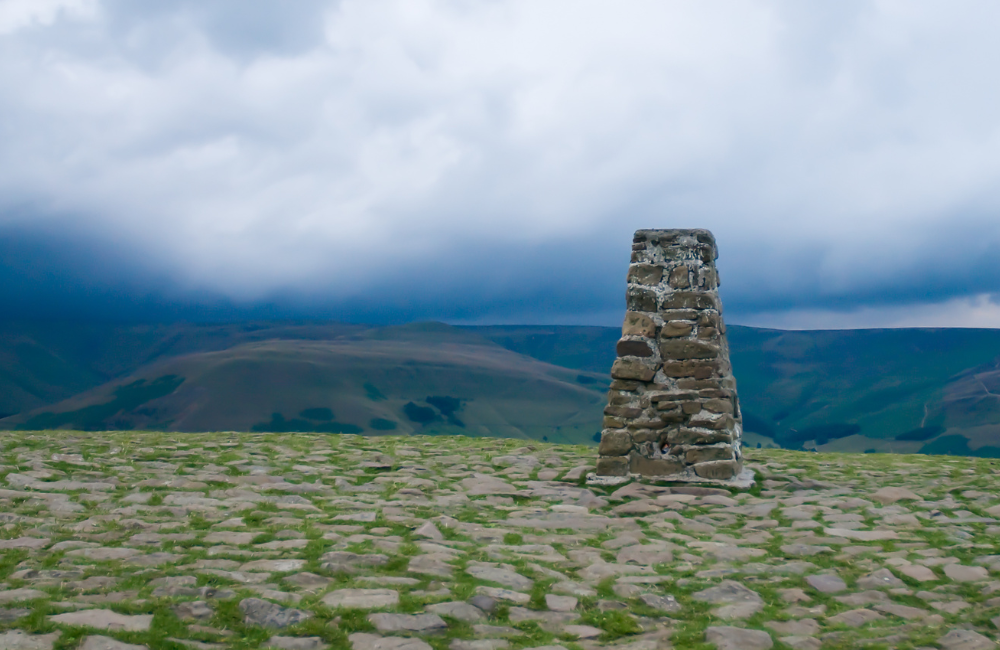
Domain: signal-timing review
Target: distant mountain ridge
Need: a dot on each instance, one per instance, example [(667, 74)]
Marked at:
[(906, 390)]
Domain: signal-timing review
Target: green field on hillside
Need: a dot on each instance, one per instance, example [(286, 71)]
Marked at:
[(374, 384), (907, 390)]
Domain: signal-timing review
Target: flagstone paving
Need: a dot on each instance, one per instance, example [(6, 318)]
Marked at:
[(124, 541)]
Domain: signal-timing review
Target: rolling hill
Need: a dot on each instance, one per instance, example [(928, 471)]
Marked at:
[(835, 390), (427, 379), (855, 390), (905, 390), (44, 362)]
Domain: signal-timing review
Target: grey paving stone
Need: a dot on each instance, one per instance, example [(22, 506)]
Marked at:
[(827, 583), (799, 627), (197, 610), (737, 600), (965, 640), (500, 575), (801, 642), (267, 614), (362, 641), (804, 550), (461, 611), (497, 593), (888, 495), (484, 603), (560, 603), (424, 623), (962, 573), (855, 617), (664, 603), (361, 598), (861, 598), (295, 643), (918, 572), (478, 644), (883, 578), (96, 642), (104, 619), (737, 638), (22, 594), (18, 640)]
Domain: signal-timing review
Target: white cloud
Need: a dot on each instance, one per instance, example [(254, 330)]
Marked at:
[(979, 311), (17, 14), (835, 149)]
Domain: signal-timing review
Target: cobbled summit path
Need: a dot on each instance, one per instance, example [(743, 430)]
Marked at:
[(119, 541)]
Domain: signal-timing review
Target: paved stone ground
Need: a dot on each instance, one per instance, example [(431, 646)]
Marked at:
[(304, 541)]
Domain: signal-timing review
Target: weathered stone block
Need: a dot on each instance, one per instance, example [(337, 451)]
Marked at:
[(633, 348), (698, 384), (708, 334), (639, 299), (654, 466), (645, 274), (615, 443), (708, 278), (676, 328), (640, 436), (619, 397), (719, 406), (631, 369), (689, 300), (708, 319), (671, 396), (650, 423), (679, 314), (719, 469), (682, 349), (628, 412), (690, 408), (693, 369), (637, 324), (675, 416), (679, 277), (717, 422), (613, 466), (612, 422), (701, 454), (688, 436)]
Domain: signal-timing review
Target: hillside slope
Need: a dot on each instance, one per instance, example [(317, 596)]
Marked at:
[(838, 390), (881, 384), (905, 390), (44, 362), (413, 382), (966, 419)]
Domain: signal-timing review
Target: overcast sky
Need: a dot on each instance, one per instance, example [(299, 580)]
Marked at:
[(488, 160)]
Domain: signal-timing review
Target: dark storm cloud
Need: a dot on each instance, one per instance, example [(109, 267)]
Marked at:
[(379, 160), (73, 275)]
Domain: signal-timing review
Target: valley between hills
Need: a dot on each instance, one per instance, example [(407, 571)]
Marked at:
[(908, 390)]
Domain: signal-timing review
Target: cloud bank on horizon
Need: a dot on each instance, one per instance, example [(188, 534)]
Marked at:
[(488, 161)]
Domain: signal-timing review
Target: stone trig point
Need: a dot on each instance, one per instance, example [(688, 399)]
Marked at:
[(672, 411)]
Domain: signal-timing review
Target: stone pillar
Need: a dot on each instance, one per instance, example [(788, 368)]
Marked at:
[(672, 409)]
